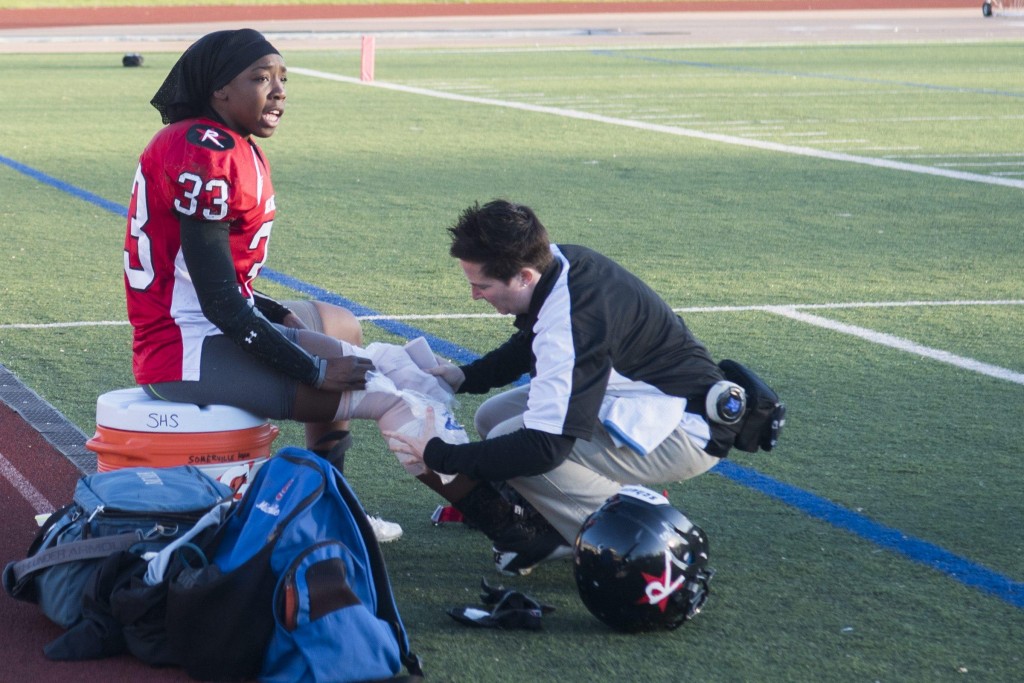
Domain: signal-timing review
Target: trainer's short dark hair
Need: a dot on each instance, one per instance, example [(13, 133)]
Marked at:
[(502, 237)]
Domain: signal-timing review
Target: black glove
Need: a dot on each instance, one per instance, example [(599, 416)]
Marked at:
[(510, 610)]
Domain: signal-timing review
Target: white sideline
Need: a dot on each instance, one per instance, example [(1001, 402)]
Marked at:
[(41, 505), (674, 130), (685, 309), (790, 311), (23, 486)]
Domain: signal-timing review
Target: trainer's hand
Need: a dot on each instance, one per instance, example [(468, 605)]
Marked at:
[(347, 373), (414, 445), (450, 374)]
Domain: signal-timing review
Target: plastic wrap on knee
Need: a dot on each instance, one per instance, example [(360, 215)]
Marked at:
[(407, 416), (395, 363)]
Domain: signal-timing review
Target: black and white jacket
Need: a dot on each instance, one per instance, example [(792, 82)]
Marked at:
[(589, 318)]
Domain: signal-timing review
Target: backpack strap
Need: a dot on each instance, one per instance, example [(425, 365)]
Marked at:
[(88, 549)]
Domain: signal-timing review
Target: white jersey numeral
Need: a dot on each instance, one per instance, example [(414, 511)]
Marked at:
[(142, 277), (193, 184), (262, 234)]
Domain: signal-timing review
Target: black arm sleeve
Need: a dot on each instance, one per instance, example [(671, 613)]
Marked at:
[(274, 310), (498, 368), (523, 453), (207, 253)]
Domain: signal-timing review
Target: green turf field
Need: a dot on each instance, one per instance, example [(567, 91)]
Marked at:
[(842, 219)]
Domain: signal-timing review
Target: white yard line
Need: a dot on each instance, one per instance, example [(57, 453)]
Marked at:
[(765, 145), (75, 323), (901, 344), (788, 311), (685, 309), (793, 311)]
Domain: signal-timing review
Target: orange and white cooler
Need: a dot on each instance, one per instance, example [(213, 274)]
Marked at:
[(134, 430)]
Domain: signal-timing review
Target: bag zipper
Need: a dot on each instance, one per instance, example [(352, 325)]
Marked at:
[(288, 607), (164, 524)]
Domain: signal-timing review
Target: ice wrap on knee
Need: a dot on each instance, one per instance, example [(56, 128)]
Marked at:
[(408, 414), (395, 363), (397, 395)]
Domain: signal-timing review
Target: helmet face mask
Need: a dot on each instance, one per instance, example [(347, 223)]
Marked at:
[(640, 564)]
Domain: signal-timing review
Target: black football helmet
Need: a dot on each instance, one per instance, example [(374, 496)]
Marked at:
[(640, 564)]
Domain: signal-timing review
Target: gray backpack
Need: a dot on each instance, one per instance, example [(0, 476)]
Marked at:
[(137, 509)]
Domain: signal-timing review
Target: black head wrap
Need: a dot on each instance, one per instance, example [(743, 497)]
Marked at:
[(208, 65)]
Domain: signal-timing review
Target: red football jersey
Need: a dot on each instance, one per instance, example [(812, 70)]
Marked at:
[(200, 169)]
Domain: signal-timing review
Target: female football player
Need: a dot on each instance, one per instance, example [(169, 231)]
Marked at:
[(199, 222)]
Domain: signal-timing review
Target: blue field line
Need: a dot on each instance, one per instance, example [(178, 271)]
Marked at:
[(806, 74), (76, 192), (957, 568), (395, 327), (966, 572), (960, 569)]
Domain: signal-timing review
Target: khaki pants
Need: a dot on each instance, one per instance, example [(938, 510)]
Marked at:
[(594, 470)]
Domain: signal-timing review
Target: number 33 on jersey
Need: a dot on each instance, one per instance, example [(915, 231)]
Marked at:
[(200, 170)]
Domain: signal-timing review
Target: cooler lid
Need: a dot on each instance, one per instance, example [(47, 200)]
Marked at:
[(133, 410)]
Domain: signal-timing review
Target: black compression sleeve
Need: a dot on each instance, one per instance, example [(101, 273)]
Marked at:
[(523, 453), (275, 311), (207, 253)]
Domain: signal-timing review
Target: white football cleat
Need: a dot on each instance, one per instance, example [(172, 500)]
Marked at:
[(384, 530)]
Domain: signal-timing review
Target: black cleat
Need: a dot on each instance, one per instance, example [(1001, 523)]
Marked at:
[(519, 557)]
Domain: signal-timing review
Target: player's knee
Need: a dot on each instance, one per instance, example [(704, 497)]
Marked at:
[(340, 323)]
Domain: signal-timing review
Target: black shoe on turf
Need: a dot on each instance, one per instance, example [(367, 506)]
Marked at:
[(519, 557)]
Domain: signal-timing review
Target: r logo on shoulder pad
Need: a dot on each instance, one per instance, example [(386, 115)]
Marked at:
[(643, 493), (210, 137)]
